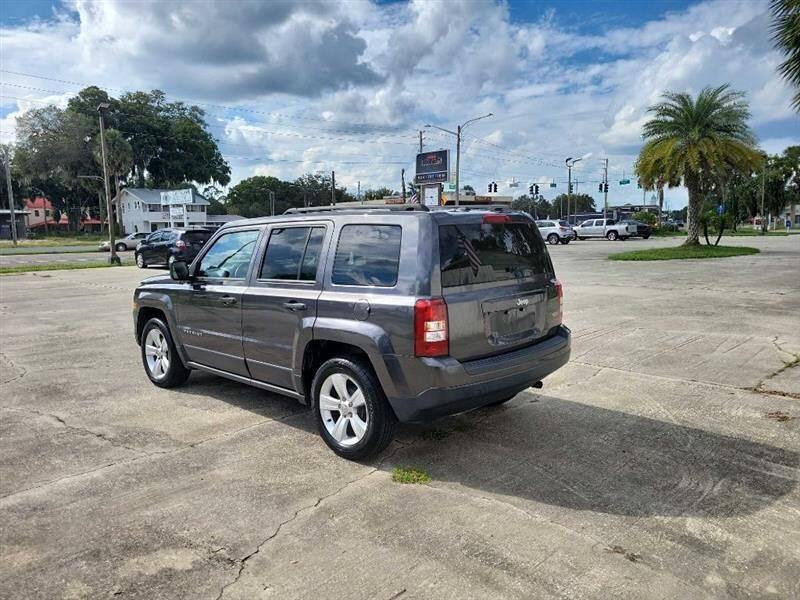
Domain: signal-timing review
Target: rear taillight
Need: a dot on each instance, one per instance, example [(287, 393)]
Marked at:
[(180, 244), (430, 328), (563, 228), (560, 294)]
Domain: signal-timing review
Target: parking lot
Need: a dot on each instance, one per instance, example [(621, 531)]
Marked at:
[(662, 462)]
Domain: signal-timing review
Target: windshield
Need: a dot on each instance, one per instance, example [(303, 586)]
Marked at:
[(487, 252)]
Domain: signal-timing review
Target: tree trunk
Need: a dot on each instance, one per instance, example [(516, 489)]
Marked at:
[(692, 212), (660, 203), (100, 196), (119, 202)]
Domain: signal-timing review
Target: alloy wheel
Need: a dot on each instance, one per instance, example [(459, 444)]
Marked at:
[(140, 261), (343, 409), (156, 351)]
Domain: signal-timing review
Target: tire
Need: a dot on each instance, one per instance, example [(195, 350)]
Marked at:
[(566, 240), (611, 236), (644, 237), (338, 380), (121, 247), (156, 346), (140, 262), (552, 239), (581, 238)]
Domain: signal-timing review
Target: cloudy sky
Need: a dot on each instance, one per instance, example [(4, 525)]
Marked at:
[(292, 87)]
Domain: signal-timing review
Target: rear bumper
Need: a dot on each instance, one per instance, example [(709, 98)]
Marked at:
[(451, 386)]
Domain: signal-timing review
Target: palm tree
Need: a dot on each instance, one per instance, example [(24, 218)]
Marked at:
[(786, 33), (693, 140)]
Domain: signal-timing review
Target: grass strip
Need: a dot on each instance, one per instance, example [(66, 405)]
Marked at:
[(408, 475), (684, 252), (46, 250), (15, 269)]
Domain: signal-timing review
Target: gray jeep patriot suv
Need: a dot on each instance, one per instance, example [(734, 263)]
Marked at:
[(368, 315)]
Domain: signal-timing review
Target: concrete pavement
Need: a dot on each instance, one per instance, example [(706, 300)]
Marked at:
[(656, 464), (13, 260)]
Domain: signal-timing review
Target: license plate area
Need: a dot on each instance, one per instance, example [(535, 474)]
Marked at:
[(512, 319)]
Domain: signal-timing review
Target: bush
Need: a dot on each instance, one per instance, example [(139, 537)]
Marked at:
[(645, 217)]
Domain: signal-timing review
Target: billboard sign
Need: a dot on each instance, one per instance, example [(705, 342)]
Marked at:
[(177, 197), (433, 167)]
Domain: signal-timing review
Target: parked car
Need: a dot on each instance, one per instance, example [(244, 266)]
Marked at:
[(607, 228), (637, 228), (554, 232), (164, 246), (129, 242), (368, 315)]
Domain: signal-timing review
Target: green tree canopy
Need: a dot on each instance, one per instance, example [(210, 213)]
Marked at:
[(579, 203), (695, 141), (786, 33)]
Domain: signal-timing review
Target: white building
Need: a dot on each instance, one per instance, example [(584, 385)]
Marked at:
[(146, 210)]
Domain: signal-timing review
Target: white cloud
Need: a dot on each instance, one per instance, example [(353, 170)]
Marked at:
[(358, 79)]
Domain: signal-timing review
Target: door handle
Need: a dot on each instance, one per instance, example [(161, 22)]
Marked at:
[(228, 300), (294, 305)]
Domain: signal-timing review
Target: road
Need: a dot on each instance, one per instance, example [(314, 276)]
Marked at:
[(656, 464), (13, 260)]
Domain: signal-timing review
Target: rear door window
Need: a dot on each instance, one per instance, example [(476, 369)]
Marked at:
[(293, 253), (489, 252), (367, 255)]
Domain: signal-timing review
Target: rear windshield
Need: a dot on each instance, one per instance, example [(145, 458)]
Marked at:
[(488, 252), (196, 236)]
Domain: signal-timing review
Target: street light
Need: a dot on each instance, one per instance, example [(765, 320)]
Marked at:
[(457, 133), (113, 258), (570, 162)]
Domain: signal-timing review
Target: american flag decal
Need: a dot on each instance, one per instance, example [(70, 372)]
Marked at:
[(465, 245)]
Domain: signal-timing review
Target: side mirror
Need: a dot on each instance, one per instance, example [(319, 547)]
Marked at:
[(179, 270)]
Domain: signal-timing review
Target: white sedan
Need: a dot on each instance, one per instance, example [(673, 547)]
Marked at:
[(129, 242)]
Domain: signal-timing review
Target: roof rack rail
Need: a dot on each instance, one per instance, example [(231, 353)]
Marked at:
[(469, 207), (357, 207)]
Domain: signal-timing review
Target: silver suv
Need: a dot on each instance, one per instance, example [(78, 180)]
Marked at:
[(555, 231), (367, 315)]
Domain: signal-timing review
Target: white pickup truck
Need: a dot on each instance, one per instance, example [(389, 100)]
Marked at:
[(607, 228)]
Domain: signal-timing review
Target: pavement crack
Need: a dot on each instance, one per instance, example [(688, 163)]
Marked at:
[(83, 430), (22, 370), (243, 561)]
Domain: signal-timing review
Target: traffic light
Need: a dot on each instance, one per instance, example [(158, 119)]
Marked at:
[(490, 188), (606, 187), (536, 188), (494, 185), (530, 190), (569, 188), (638, 184), (600, 188)]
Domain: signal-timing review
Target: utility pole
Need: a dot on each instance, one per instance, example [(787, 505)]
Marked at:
[(11, 198), (359, 191), (113, 258), (403, 183), (763, 223), (458, 162), (605, 192), (333, 188), (420, 141), (457, 133)]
